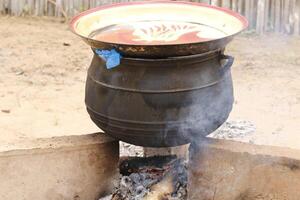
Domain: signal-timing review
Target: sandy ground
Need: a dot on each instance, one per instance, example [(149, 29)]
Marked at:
[(43, 69)]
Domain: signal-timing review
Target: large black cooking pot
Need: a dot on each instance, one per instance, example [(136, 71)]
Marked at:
[(173, 84), (160, 102)]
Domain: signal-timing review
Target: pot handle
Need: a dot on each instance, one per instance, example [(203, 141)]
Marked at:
[(226, 62)]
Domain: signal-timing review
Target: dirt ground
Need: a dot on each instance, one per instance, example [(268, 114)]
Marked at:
[(43, 70)]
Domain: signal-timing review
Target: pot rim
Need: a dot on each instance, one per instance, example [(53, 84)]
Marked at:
[(73, 21)]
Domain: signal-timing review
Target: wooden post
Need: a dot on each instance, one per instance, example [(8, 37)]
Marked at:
[(66, 7), (21, 4), (260, 16), (215, 2), (240, 6), (2, 9), (71, 8), (30, 6), (285, 22), (86, 4), (41, 8), (253, 12), (51, 9), (266, 16), (234, 5), (277, 15), (248, 12), (58, 8), (92, 3), (297, 18), (272, 15), (13, 7), (45, 9), (205, 1), (36, 6), (226, 4)]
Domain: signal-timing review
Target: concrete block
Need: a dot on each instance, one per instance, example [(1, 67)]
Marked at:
[(59, 168), (227, 170)]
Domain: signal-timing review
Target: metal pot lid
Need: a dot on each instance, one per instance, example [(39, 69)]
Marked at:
[(149, 29)]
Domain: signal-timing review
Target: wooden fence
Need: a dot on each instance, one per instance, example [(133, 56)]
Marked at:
[(264, 15)]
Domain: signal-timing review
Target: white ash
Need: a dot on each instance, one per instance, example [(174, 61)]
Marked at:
[(239, 130), (108, 197), (133, 187), (129, 150)]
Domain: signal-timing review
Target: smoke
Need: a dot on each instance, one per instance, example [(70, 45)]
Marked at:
[(208, 109)]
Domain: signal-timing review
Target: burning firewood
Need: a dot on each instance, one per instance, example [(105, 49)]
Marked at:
[(154, 178)]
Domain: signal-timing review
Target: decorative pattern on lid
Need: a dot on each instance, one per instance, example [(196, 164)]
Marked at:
[(158, 32)]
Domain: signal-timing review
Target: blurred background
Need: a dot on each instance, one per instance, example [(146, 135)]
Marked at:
[(263, 15)]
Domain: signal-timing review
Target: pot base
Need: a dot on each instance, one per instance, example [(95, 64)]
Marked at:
[(162, 135)]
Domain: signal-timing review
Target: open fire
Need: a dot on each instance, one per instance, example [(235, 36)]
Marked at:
[(152, 178)]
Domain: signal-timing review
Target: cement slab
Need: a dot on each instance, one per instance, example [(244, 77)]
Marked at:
[(230, 170), (70, 167)]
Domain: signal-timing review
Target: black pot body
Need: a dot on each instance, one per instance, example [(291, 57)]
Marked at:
[(160, 102)]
